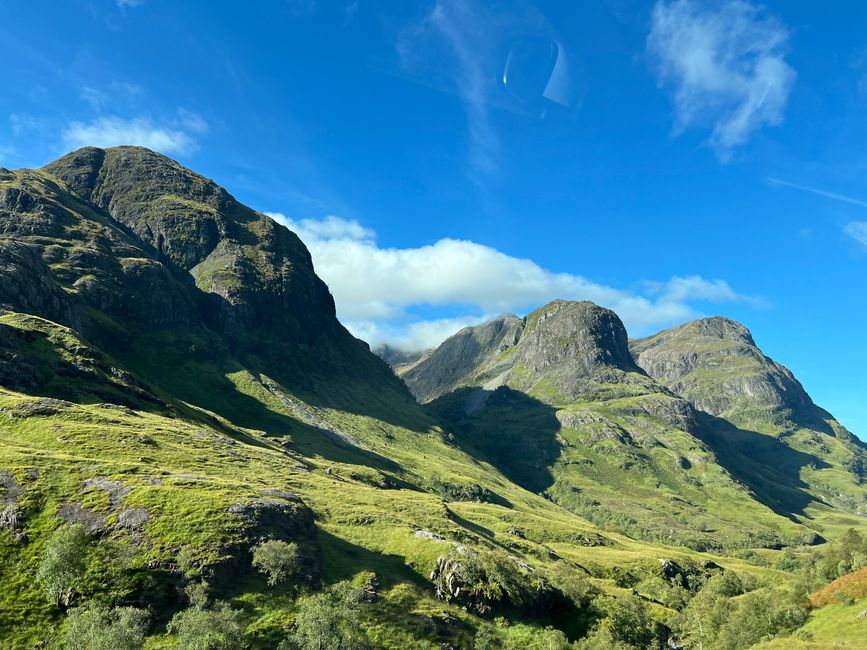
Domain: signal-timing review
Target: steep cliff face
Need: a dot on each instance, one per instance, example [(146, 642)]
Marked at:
[(471, 352), (120, 242), (260, 270), (716, 365)]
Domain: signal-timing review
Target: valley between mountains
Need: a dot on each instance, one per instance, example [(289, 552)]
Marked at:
[(195, 453)]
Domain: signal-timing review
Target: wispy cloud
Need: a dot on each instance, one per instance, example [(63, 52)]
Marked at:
[(461, 26), (815, 190), (857, 230), (100, 98), (130, 3), (725, 64), (110, 131), (377, 289), (5, 152)]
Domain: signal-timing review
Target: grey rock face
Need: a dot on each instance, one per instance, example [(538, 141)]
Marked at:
[(574, 345), (462, 356), (715, 364)]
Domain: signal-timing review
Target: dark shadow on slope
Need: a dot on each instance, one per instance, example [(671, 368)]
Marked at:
[(201, 381), (768, 467), (34, 364), (513, 431), (341, 560)]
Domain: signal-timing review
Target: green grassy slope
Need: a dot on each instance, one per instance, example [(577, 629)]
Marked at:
[(173, 379), (561, 409)]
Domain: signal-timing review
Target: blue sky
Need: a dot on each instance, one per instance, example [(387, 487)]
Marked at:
[(668, 159)]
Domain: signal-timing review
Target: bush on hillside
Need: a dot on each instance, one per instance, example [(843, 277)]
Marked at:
[(329, 620), (64, 564), (277, 559), (96, 627), (205, 625)]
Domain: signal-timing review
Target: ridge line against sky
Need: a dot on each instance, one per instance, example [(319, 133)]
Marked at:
[(379, 290), (705, 159)]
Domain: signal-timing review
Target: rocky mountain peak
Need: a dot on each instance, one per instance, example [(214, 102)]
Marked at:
[(721, 328), (716, 365), (569, 346), (239, 256), (581, 334)]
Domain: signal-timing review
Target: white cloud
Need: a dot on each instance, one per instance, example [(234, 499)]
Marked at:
[(377, 289), (857, 230), (130, 3), (725, 63), (110, 131), (456, 35)]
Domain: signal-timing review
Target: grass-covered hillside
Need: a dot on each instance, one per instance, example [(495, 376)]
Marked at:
[(557, 403), (194, 453)]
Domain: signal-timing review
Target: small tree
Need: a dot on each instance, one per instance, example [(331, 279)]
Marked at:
[(97, 627), (277, 559), (330, 620), (627, 621), (214, 628), (484, 639), (64, 564), (206, 626)]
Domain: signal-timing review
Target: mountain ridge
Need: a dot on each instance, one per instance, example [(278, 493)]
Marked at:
[(174, 384)]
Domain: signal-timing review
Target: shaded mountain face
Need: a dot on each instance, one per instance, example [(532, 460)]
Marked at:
[(127, 245), (460, 356)]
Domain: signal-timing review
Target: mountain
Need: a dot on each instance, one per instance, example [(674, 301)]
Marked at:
[(715, 364), (657, 435), (175, 387), (174, 381)]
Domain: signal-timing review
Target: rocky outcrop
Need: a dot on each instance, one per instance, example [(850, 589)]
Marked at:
[(286, 518), (715, 364)]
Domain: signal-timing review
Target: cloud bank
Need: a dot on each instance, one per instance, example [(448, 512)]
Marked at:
[(724, 63), (380, 291), (111, 131)]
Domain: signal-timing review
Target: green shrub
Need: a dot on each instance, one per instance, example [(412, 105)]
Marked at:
[(278, 560), (329, 620), (206, 626), (96, 627), (718, 617), (63, 565)]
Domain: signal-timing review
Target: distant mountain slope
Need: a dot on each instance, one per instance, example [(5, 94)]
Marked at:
[(715, 364), (556, 401)]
